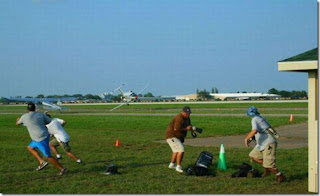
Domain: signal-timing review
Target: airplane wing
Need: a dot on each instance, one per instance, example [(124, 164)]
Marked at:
[(143, 89), (34, 100), (118, 106), (119, 88)]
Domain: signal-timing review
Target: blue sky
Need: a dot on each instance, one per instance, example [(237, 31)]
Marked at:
[(79, 46)]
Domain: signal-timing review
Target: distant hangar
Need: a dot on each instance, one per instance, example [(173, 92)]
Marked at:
[(244, 96), (231, 96)]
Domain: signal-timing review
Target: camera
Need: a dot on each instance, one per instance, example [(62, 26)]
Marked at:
[(194, 135), (196, 129)]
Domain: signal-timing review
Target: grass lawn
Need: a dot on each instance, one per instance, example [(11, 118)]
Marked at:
[(142, 162)]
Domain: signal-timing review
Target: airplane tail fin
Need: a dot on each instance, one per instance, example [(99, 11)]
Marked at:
[(119, 88)]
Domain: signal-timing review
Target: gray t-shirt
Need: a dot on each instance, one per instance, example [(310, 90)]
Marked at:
[(263, 138), (36, 125)]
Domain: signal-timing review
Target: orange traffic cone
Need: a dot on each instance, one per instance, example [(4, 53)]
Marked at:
[(291, 118), (117, 143)]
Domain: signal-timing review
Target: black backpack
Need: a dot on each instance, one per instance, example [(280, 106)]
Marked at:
[(111, 169), (201, 167), (243, 171)]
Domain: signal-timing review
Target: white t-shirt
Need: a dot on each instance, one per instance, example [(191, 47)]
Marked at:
[(55, 128), (263, 138)]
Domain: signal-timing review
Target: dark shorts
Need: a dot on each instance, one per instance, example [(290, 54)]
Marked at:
[(54, 142), (43, 146)]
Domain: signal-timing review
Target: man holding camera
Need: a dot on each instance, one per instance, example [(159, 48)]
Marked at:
[(264, 153), (175, 134)]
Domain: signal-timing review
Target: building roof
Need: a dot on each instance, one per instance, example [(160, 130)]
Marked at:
[(303, 62), (243, 95), (306, 56)]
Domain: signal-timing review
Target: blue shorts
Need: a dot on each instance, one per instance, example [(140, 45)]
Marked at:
[(43, 146)]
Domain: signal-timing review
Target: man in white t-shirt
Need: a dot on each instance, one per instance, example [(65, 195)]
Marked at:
[(61, 138), (264, 153)]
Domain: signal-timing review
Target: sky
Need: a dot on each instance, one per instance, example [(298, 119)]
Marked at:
[(91, 47)]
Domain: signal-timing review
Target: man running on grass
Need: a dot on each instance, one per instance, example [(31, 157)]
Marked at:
[(61, 138), (36, 125), (264, 152)]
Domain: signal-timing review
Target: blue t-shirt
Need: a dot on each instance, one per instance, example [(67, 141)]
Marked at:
[(36, 125), (263, 138)]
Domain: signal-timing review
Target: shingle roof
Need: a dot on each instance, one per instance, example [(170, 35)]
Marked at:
[(306, 56)]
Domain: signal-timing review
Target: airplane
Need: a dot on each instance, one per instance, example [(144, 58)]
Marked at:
[(46, 103), (127, 97)]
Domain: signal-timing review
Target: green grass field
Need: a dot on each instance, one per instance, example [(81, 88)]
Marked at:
[(141, 159)]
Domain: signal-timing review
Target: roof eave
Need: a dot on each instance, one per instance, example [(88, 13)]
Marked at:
[(304, 66)]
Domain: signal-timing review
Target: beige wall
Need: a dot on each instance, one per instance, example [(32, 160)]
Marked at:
[(312, 132), (313, 100)]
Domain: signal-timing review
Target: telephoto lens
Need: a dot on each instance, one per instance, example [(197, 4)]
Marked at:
[(198, 130)]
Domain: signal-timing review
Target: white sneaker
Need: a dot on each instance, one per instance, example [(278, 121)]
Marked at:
[(179, 169), (172, 166)]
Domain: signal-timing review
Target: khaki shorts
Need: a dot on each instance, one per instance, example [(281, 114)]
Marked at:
[(268, 155), (54, 142), (175, 144)]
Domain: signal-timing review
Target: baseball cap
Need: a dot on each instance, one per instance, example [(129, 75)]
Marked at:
[(186, 109), (31, 107), (252, 111)]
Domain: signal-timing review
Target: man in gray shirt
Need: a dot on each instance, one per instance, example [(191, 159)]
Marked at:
[(36, 125), (264, 152)]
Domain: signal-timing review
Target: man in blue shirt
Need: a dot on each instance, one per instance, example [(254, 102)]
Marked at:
[(264, 152), (36, 125)]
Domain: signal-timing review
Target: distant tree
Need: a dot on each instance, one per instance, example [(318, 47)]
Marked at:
[(304, 94), (197, 91), (298, 94), (148, 95), (140, 95), (273, 91), (77, 95), (90, 96), (284, 93), (116, 98), (2, 100), (204, 95), (40, 96), (53, 96), (29, 97), (214, 90), (244, 91)]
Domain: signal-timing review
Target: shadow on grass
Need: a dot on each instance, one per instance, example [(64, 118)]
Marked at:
[(136, 165), (297, 177)]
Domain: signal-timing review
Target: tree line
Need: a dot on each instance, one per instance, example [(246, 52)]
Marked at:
[(79, 96), (205, 95), (289, 94)]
